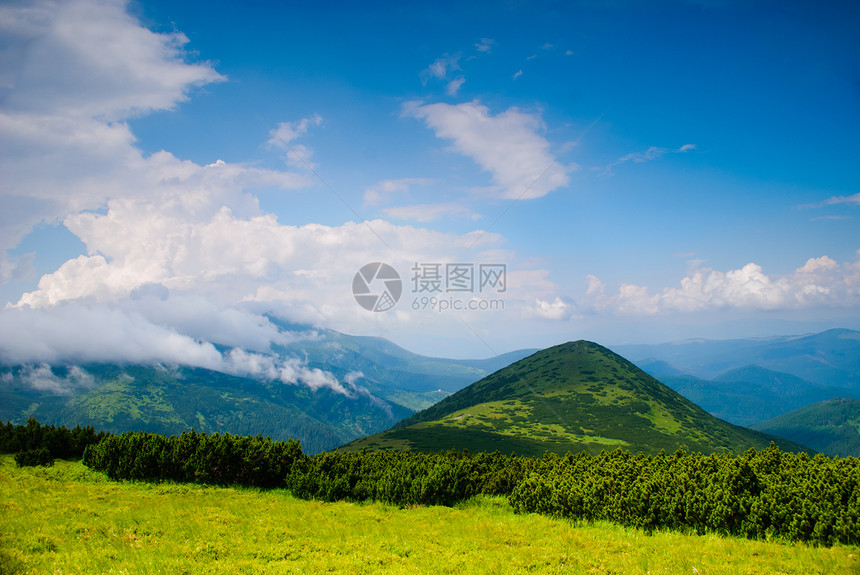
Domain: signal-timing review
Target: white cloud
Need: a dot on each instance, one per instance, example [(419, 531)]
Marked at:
[(72, 72), (454, 86), (293, 371), (95, 333), (380, 192), (440, 67), (507, 145), (820, 282), (557, 309), (430, 212), (517, 74), (128, 70), (286, 132), (179, 256), (42, 378), (284, 136), (595, 286)]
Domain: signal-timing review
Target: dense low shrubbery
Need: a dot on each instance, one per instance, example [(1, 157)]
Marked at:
[(405, 478), (195, 457), (761, 494), (36, 444), (34, 457)]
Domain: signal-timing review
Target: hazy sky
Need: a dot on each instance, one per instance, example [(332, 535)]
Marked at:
[(645, 171)]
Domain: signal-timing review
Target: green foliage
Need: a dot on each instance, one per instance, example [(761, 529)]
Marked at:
[(195, 457), (33, 457), (69, 519), (762, 494), (147, 398), (58, 442), (404, 478), (831, 427)]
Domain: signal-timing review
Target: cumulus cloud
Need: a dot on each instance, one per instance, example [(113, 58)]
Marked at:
[(557, 309), (73, 72), (179, 253), (128, 69), (819, 282), (507, 145)]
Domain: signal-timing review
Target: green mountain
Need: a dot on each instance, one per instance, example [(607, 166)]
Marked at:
[(572, 397), (381, 384), (749, 394), (830, 358), (831, 427), (170, 401)]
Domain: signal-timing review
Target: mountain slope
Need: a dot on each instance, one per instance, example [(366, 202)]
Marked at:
[(831, 427), (155, 399), (572, 397), (369, 384)]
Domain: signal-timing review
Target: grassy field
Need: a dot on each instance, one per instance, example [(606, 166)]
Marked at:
[(68, 519)]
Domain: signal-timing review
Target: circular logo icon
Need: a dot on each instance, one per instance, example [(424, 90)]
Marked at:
[(377, 286)]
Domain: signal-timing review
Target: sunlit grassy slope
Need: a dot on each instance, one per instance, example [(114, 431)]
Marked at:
[(68, 519), (578, 396)]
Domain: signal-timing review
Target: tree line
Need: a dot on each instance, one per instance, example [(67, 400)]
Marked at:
[(767, 494)]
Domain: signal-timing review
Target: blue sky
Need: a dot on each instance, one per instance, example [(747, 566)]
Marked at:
[(647, 171)]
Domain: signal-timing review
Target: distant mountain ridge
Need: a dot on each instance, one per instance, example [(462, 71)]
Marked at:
[(830, 358), (831, 427), (571, 397), (750, 394)]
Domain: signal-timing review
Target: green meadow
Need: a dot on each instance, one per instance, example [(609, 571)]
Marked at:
[(69, 519)]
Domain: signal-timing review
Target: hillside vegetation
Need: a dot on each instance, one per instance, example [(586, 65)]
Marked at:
[(831, 427), (69, 519), (761, 494), (577, 396)]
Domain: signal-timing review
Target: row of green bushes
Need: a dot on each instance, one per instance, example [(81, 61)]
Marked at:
[(195, 457), (405, 478), (36, 444), (761, 494)]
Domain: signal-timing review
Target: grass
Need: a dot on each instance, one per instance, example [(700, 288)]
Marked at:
[(68, 519)]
